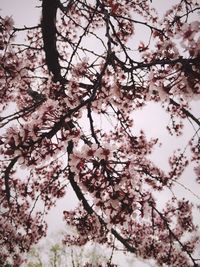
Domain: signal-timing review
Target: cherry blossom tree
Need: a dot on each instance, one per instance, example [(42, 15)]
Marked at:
[(84, 62)]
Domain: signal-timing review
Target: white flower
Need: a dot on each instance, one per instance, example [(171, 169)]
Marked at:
[(114, 203), (74, 161), (146, 210), (17, 153), (8, 23)]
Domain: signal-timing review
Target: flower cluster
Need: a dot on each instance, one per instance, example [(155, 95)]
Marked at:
[(68, 119)]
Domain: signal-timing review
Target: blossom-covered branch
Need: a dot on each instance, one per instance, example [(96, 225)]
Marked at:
[(68, 96)]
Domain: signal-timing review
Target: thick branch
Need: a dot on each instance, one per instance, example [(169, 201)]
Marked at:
[(49, 10)]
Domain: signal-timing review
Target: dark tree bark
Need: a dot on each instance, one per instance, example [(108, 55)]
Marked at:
[(49, 10)]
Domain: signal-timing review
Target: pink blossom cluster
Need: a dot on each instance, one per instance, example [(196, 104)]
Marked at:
[(56, 94)]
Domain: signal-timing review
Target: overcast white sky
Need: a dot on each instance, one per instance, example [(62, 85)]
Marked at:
[(25, 13)]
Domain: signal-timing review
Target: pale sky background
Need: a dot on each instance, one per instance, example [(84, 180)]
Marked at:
[(25, 13)]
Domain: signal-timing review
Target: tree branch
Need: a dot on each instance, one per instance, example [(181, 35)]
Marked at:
[(185, 111), (89, 209), (7, 178), (49, 10)]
